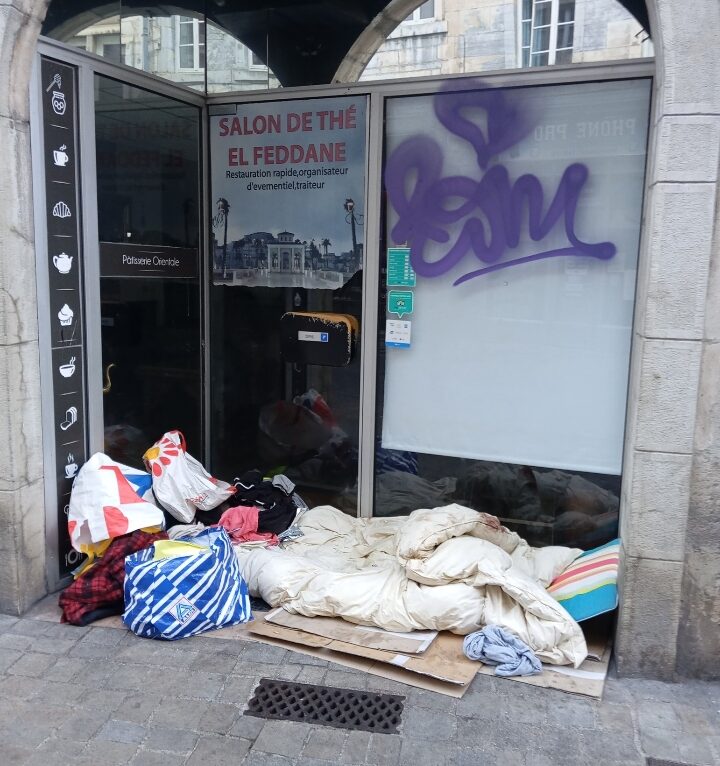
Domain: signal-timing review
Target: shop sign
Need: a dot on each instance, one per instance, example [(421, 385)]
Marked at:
[(288, 181), (59, 110), (148, 261)]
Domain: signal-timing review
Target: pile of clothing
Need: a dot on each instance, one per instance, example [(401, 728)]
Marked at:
[(116, 511)]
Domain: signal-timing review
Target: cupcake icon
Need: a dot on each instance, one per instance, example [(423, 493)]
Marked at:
[(65, 315)]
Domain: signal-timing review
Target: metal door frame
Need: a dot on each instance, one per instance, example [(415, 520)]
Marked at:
[(88, 65)]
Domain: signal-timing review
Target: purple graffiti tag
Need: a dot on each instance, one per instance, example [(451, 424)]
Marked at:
[(427, 203)]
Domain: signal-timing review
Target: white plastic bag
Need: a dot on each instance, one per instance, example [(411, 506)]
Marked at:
[(181, 485), (107, 501)]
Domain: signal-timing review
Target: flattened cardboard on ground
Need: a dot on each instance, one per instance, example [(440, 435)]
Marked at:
[(587, 680), (373, 667), (347, 632), (443, 660)]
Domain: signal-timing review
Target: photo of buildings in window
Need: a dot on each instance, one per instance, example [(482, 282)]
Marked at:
[(288, 184)]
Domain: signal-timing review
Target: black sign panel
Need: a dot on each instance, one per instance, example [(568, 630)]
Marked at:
[(59, 100), (147, 261)]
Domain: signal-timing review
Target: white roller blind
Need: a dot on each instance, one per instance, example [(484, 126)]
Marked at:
[(528, 364)]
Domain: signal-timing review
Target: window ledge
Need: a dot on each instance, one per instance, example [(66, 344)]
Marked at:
[(417, 28)]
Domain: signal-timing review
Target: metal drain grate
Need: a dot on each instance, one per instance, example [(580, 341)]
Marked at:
[(649, 761), (326, 705)]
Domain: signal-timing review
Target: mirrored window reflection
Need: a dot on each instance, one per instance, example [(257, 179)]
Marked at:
[(147, 152), (467, 36), (183, 49)]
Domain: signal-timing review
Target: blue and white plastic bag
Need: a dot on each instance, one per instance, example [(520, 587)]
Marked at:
[(175, 596)]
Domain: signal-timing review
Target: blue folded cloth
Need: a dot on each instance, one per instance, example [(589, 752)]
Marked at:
[(494, 645)]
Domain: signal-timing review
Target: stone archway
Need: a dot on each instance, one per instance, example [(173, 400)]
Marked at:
[(375, 34), (669, 616)]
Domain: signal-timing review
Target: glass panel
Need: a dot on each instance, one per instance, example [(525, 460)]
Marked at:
[(510, 394), (542, 14), (287, 239), (187, 36), (427, 10), (526, 57), (565, 35), (148, 181), (526, 27), (539, 59), (566, 11), (232, 66), (526, 9), (187, 57), (564, 56), (541, 39)]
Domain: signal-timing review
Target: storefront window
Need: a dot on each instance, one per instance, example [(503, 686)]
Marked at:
[(148, 195), (184, 49), (508, 293), (464, 36), (288, 185)]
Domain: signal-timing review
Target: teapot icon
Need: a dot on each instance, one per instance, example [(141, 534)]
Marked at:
[(63, 262)]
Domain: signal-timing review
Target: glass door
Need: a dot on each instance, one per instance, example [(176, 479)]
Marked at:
[(148, 189)]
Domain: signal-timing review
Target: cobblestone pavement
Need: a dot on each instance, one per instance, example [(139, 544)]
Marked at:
[(102, 696)]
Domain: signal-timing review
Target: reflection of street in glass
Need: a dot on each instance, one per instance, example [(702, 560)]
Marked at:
[(67, 370), (70, 418)]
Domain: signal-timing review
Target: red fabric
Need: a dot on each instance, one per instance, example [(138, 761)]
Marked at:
[(241, 523), (101, 586)]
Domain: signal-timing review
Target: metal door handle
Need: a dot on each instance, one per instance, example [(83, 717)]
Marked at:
[(108, 382)]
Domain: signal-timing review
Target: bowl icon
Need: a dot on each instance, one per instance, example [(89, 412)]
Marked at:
[(67, 370)]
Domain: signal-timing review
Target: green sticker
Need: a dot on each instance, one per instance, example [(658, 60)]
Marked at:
[(400, 302), (399, 270)]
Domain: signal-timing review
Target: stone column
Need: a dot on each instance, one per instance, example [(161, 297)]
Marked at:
[(669, 520), (22, 507)]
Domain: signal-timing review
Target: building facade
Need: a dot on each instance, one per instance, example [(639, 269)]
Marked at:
[(668, 505)]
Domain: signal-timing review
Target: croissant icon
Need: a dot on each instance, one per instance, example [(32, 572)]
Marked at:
[(61, 210)]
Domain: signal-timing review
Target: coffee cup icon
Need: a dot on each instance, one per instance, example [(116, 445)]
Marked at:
[(60, 156), (72, 467), (68, 370), (63, 262)]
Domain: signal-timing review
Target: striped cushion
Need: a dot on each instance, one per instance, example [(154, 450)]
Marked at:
[(588, 587)]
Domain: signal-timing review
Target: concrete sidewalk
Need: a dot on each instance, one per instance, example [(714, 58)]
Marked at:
[(103, 696)]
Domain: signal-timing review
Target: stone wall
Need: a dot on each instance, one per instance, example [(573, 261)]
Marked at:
[(670, 523), (22, 506)]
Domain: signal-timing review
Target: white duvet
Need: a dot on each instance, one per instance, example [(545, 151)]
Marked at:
[(448, 568)]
